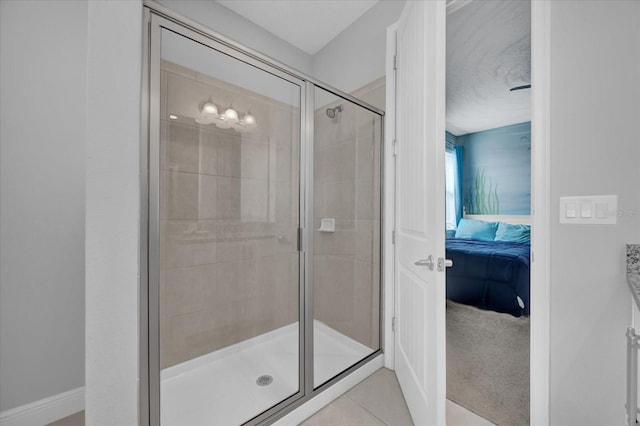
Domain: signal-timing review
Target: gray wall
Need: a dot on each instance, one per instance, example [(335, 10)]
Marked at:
[(353, 59), (228, 23), (595, 105), (357, 55), (114, 61), (42, 74)]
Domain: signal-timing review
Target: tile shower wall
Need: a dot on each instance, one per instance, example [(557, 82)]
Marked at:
[(228, 218), (347, 188)]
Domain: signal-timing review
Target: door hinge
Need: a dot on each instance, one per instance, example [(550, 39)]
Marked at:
[(394, 143), (393, 237), (299, 238), (393, 324), (395, 62)]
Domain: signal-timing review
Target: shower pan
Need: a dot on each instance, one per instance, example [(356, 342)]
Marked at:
[(251, 304)]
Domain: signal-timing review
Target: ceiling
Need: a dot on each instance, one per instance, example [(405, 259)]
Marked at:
[(307, 24), (488, 50)]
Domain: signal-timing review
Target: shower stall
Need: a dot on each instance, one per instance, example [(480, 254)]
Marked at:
[(262, 249)]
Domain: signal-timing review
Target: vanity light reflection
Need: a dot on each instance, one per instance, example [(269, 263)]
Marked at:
[(229, 119)]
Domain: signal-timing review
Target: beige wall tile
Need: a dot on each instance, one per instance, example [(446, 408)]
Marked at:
[(340, 199), (341, 242), (189, 289), (364, 249), (208, 197), (185, 96), (321, 166), (228, 200), (254, 200), (254, 160), (365, 160), (287, 158), (286, 204), (363, 287), (376, 298), (373, 93), (183, 148), (333, 290), (182, 193), (365, 199), (341, 161), (230, 249), (186, 243), (229, 155), (197, 333), (208, 157)]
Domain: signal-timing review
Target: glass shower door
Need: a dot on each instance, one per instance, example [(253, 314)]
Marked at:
[(228, 217), (346, 241)]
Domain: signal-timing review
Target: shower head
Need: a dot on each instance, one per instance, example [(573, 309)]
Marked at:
[(331, 112)]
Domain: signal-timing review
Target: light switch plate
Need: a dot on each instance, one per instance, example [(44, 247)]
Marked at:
[(589, 210)]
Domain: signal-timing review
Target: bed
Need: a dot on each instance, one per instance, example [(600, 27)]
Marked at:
[(490, 264)]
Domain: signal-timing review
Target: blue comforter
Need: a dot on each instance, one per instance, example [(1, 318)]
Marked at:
[(489, 274)]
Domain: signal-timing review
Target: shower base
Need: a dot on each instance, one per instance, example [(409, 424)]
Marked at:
[(223, 387)]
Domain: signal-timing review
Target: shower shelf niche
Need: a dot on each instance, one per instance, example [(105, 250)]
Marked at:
[(327, 225)]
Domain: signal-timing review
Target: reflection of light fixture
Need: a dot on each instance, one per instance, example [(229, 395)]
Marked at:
[(173, 117), (230, 118), (249, 120), (209, 108)]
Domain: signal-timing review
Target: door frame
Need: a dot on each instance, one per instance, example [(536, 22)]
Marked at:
[(540, 208)]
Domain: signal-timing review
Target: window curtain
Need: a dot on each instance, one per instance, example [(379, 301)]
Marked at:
[(459, 152)]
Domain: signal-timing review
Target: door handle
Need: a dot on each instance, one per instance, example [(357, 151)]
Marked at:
[(428, 262), (444, 263)]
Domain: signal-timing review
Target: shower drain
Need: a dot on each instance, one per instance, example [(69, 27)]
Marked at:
[(264, 380)]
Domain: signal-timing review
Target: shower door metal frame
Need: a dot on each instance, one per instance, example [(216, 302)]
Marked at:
[(157, 17)]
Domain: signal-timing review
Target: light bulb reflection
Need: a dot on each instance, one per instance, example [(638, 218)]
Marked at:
[(231, 115), (229, 119), (249, 120), (209, 108)]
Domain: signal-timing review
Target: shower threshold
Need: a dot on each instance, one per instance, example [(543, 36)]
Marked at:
[(224, 387)]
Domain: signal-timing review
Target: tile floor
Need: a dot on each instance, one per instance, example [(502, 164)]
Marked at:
[(76, 419), (378, 401)]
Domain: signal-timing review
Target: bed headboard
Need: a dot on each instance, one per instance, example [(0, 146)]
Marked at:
[(523, 219)]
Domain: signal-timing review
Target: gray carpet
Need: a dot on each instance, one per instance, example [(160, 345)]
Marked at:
[(488, 363)]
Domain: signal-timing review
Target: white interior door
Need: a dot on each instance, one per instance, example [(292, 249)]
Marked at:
[(420, 132)]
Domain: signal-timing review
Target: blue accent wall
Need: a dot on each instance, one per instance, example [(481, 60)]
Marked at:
[(501, 159)]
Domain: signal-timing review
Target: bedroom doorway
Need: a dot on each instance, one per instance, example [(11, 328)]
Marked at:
[(488, 209), (541, 213)]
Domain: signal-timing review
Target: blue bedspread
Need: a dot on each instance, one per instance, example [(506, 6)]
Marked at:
[(489, 274)]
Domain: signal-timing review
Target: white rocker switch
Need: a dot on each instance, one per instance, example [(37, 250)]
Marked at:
[(585, 208), (570, 210), (602, 210)]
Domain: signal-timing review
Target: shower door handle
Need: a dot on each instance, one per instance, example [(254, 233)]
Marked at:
[(428, 262)]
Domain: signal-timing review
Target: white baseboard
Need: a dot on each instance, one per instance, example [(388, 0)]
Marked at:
[(327, 396), (45, 411)]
